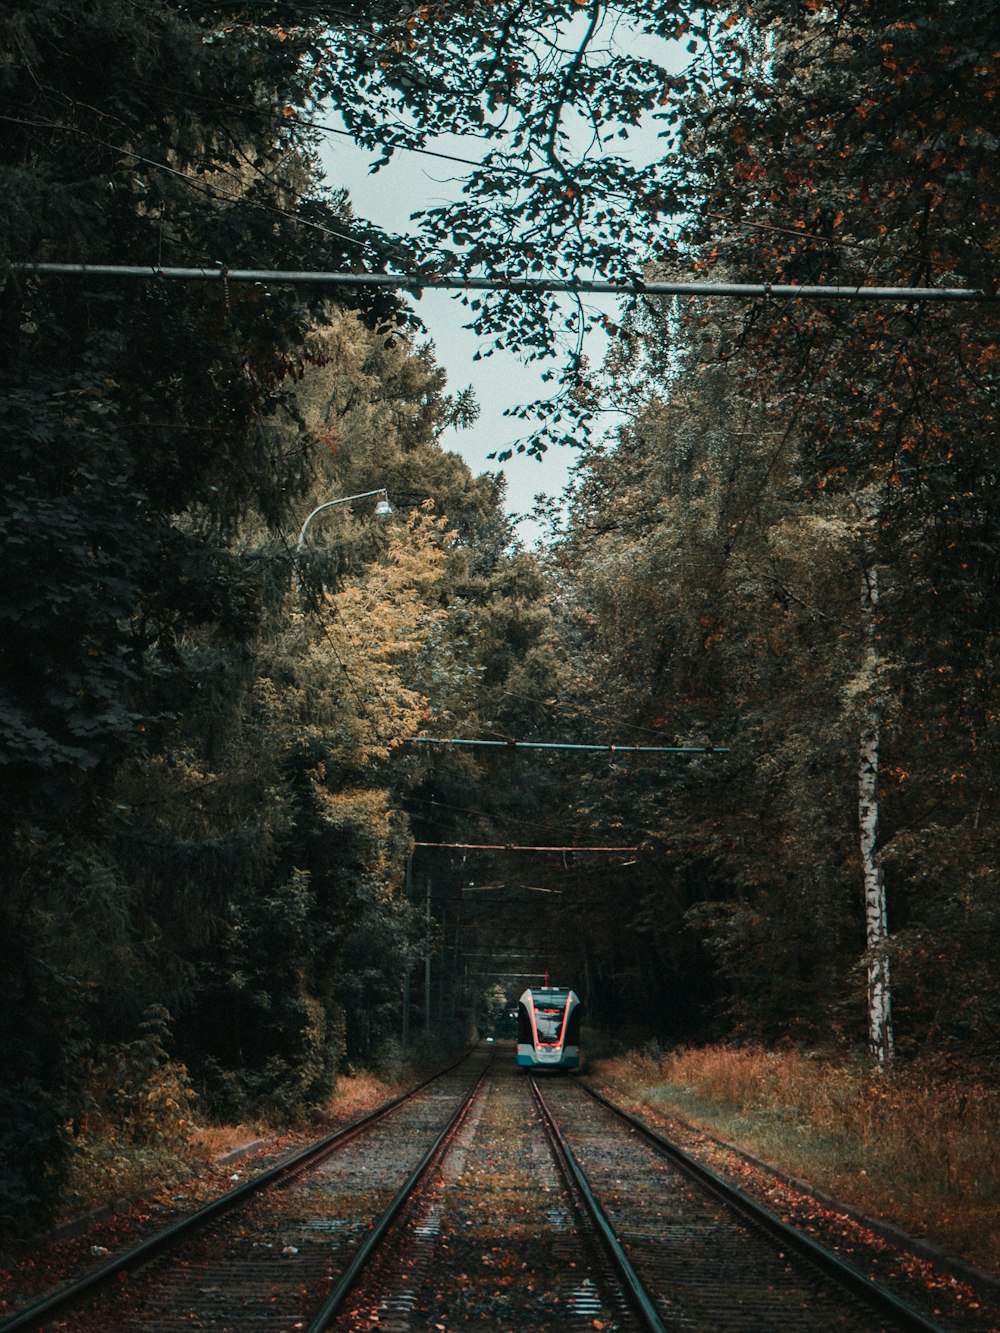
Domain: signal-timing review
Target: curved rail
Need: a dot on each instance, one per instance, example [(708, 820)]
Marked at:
[(67, 1296), (638, 1295), (381, 1229), (789, 1237)]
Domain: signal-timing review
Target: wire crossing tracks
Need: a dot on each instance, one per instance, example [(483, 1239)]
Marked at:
[(268, 1255), (701, 1253)]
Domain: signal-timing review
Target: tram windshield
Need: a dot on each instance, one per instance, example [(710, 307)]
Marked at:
[(548, 1023)]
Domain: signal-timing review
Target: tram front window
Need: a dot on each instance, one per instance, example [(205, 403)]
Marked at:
[(548, 1024)]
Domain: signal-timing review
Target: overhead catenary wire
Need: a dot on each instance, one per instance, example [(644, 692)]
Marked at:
[(567, 745), (204, 188), (524, 825), (388, 241), (416, 282), (615, 718), (399, 144), (516, 847)]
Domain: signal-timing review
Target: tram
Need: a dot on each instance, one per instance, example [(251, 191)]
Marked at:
[(548, 1028)]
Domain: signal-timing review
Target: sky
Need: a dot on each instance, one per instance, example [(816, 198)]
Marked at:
[(413, 181), (410, 183)]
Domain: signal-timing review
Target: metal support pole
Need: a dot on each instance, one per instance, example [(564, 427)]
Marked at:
[(417, 282), (427, 960), (408, 883)]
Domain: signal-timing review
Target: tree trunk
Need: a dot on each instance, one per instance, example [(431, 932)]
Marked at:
[(880, 1037)]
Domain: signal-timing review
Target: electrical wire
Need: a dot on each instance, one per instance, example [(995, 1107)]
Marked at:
[(498, 815), (611, 717), (388, 240), (611, 749), (323, 127), (512, 847), (205, 188)]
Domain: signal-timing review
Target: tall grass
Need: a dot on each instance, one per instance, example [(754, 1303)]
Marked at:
[(918, 1146), (135, 1154)]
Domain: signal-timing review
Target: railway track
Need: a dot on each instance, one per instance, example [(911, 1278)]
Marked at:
[(485, 1200), (270, 1254), (554, 1209), (498, 1241), (697, 1252)]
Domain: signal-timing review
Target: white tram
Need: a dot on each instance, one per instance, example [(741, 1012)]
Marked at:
[(548, 1028)]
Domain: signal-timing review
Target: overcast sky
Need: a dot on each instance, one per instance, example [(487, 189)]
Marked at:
[(388, 198), (412, 182)]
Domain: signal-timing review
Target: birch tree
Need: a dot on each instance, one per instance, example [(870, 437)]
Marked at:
[(880, 1038), (864, 150)]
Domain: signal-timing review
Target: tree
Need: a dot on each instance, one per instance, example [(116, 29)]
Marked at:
[(858, 148), (161, 457), (717, 613), (165, 441), (140, 427)]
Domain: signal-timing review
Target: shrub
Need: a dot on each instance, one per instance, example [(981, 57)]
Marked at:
[(139, 1094)]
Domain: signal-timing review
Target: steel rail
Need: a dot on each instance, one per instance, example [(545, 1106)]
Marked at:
[(331, 1306), (763, 1219), (73, 1292), (638, 1295)]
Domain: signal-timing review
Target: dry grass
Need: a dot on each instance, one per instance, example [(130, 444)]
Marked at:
[(914, 1147), (108, 1166), (354, 1095), (363, 1092), (213, 1141), (106, 1171)]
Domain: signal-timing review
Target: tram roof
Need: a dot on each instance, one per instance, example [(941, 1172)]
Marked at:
[(544, 993)]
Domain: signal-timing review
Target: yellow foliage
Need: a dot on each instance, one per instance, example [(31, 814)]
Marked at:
[(349, 669)]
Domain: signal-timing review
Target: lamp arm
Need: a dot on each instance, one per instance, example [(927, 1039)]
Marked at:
[(364, 495)]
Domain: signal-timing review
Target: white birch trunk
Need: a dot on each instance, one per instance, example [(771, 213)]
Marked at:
[(880, 1038)]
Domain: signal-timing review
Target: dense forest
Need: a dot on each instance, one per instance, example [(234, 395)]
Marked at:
[(234, 862)]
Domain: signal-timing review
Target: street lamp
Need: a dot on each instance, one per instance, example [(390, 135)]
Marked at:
[(382, 510)]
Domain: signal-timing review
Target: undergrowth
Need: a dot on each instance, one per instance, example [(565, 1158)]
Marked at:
[(145, 1130), (139, 1124), (917, 1145)]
